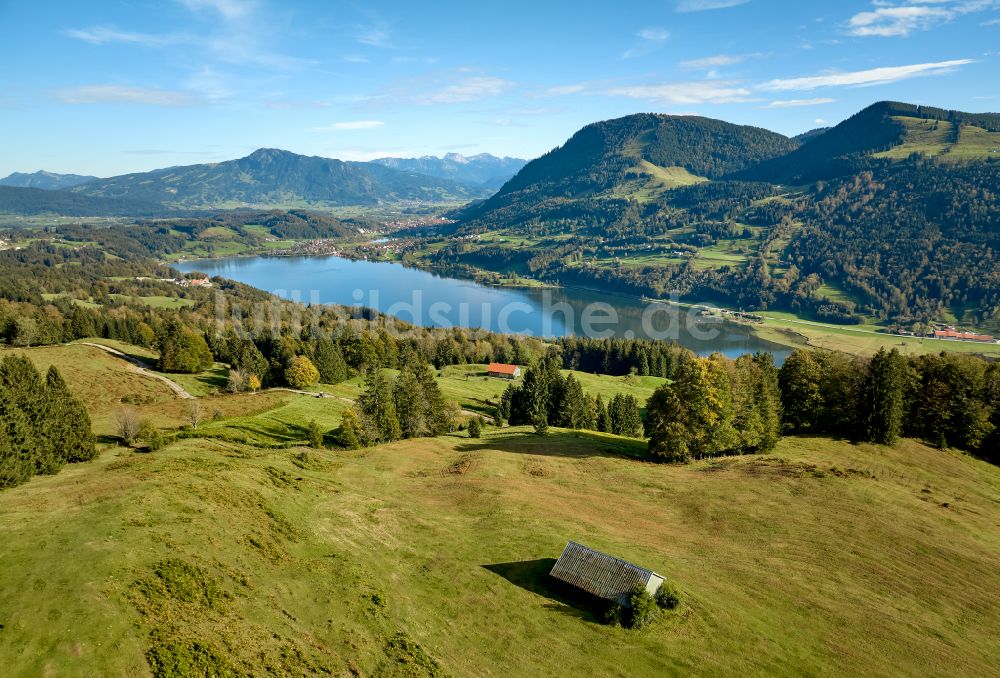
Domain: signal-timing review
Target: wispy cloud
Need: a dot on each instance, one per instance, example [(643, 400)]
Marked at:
[(471, 88), (100, 35), (651, 39), (717, 61), (563, 90), (376, 34), (350, 125), (873, 76), (890, 19), (794, 103), (704, 5), (240, 34), (119, 94), (686, 93), (231, 10), (896, 21)]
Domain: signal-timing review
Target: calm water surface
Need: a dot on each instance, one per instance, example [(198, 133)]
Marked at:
[(436, 301)]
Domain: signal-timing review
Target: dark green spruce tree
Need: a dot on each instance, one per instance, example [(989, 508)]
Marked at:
[(882, 403)]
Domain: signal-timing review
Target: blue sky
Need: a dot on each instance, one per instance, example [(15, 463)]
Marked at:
[(107, 87)]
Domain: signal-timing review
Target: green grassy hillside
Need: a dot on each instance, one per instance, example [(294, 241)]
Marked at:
[(430, 556)]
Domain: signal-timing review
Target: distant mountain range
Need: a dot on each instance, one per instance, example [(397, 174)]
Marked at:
[(46, 180), (272, 177), (28, 201), (482, 170)]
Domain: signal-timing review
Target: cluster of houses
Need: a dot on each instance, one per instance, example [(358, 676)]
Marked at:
[(952, 333), (740, 315), (183, 282)]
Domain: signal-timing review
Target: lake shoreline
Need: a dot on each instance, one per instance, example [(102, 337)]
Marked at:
[(429, 298)]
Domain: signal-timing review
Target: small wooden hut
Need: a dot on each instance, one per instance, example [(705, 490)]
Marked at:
[(602, 575), (503, 371)]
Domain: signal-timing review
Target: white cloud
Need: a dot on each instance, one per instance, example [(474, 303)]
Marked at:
[(562, 90), (897, 21), (686, 93), (703, 5), (650, 40), (716, 61), (467, 89), (100, 35), (991, 22), (377, 34), (820, 121), (900, 19), (653, 33), (350, 125), (793, 103), (241, 37), (873, 76), (231, 10), (118, 94), (212, 85)]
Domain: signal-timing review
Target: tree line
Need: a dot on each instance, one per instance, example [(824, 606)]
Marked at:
[(718, 406)]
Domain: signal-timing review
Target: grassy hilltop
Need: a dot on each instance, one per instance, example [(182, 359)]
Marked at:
[(428, 557)]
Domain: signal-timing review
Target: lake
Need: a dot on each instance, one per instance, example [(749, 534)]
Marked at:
[(432, 300)]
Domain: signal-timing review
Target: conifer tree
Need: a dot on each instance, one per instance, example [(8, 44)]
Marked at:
[(349, 431), (315, 435), (603, 420), (330, 362), (882, 399), (801, 397), (503, 409), (768, 396), (437, 412), (410, 404), (68, 422), (247, 358), (624, 416), (377, 411)]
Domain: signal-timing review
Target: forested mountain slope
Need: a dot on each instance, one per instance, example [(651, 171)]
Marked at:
[(892, 214), (887, 129), (275, 177), (27, 201)]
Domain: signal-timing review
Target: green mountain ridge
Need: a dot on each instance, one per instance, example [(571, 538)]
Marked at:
[(46, 180), (602, 156), (875, 132), (889, 215), (277, 177), (34, 201)]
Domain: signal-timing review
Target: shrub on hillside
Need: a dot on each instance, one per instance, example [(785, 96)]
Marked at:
[(667, 596), (475, 427), (642, 609)]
